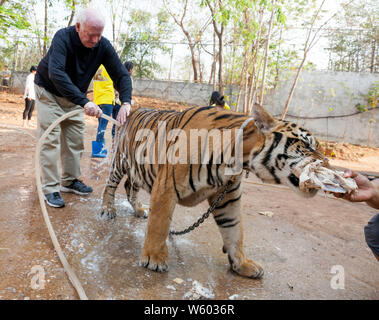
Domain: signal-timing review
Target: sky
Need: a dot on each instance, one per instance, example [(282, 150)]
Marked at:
[(318, 55)]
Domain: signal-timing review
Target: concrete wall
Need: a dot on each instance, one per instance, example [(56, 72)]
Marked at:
[(321, 103), (191, 93), (18, 81), (329, 98)]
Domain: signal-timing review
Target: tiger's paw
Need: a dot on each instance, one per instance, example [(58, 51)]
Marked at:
[(142, 211), (249, 269), (154, 262), (107, 213)]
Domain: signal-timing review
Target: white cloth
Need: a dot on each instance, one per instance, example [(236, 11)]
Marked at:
[(29, 87)]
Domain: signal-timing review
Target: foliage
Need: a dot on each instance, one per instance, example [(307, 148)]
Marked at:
[(144, 40), (372, 98), (373, 94), (355, 49), (12, 17)]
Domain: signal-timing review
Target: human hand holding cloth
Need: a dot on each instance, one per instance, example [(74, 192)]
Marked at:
[(367, 190)]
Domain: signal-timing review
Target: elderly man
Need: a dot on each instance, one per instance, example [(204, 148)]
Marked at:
[(61, 83)]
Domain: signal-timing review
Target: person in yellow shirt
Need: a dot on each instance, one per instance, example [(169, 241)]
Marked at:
[(104, 97), (129, 66), (217, 100)]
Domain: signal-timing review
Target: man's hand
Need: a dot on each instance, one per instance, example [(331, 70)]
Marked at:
[(93, 110), (123, 113), (365, 190), (368, 191)]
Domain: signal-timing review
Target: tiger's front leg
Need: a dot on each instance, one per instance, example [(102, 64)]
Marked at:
[(108, 209), (228, 218), (132, 194), (162, 204)]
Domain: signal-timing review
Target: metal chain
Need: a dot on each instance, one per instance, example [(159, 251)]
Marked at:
[(206, 214)]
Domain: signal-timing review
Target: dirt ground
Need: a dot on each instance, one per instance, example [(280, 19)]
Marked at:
[(303, 244)]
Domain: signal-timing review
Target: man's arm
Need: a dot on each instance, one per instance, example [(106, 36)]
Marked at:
[(121, 81), (118, 73)]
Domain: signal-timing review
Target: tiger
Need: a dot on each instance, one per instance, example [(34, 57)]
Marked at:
[(272, 149)]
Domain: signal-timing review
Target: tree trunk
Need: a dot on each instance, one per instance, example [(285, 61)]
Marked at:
[(266, 55), (193, 59), (244, 67), (233, 63), (246, 99), (186, 33), (45, 32), (220, 61), (255, 71), (22, 59), (253, 94), (72, 14), (293, 88), (192, 50), (239, 97), (212, 72), (199, 64), (172, 55), (277, 60), (373, 49), (309, 43), (212, 78), (219, 34), (14, 68)]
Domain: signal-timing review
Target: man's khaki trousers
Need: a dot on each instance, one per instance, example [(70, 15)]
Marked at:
[(65, 140)]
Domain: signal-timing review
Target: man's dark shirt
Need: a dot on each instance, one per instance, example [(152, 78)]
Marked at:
[(68, 67), (372, 234)]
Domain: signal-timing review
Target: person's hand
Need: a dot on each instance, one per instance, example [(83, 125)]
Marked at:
[(29, 98), (92, 109), (123, 113), (365, 190)]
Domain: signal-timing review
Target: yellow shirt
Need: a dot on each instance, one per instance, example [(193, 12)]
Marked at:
[(103, 91), (226, 107)]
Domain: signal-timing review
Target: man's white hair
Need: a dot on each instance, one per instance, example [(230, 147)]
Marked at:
[(90, 15)]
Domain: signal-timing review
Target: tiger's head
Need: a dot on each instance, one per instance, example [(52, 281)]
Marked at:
[(285, 150)]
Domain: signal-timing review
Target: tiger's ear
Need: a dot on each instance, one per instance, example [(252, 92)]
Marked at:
[(263, 120)]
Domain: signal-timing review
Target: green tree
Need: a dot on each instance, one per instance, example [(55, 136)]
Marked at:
[(186, 16), (144, 39), (255, 25), (353, 44), (12, 17)]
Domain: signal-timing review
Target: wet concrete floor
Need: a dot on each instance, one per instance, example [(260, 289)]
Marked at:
[(299, 246)]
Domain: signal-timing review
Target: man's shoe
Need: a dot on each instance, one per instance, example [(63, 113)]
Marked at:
[(77, 187), (55, 200)]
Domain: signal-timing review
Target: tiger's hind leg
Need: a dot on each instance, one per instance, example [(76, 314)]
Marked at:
[(227, 215), (132, 194), (163, 201)]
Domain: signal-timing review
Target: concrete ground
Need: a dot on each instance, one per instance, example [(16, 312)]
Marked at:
[(303, 246)]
